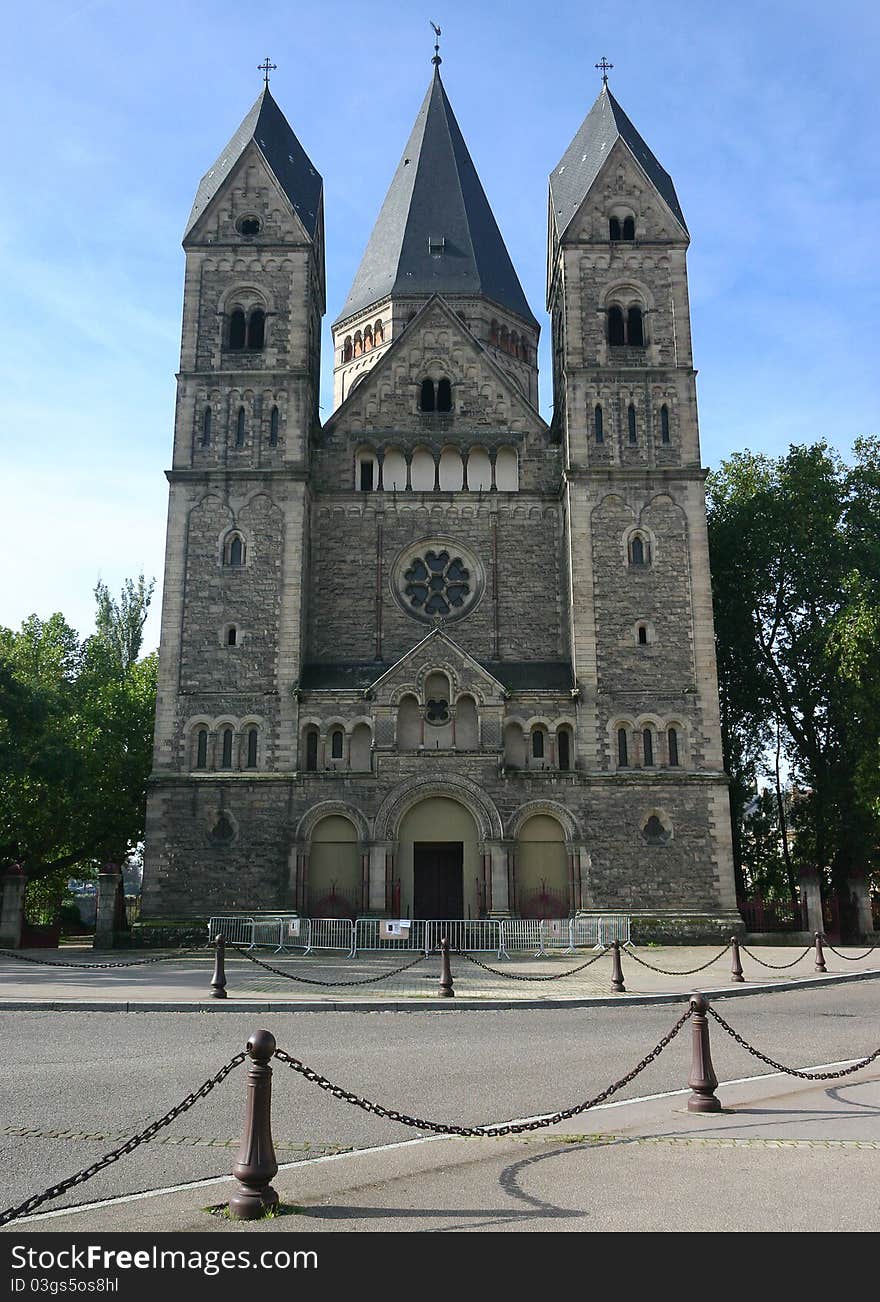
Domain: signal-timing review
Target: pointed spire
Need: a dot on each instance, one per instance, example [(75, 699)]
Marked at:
[(436, 233), (267, 126), (604, 125)]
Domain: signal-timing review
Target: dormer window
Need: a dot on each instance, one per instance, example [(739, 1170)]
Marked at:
[(436, 245)]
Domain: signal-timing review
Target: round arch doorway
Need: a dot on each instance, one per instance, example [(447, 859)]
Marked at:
[(438, 860)]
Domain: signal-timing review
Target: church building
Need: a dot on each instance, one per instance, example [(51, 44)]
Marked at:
[(433, 657)]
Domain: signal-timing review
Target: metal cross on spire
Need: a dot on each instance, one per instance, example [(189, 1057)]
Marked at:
[(265, 68), (604, 68), (437, 33)]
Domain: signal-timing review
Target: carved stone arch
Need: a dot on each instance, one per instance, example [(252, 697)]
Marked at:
[(309, 721), (246, 295), (402, 690), (649, 721), (329, 808), (535, 721), (552, 809), (197, 721), (399, 801), (627, 291), (253, 721), (437, 667), (334, 722), (225, 721), (613, 502)]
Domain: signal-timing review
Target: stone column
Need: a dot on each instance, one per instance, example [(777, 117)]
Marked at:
[(379, 852), (110, 921), (14, 884), (860, 898), (499, 858), (812, 893)]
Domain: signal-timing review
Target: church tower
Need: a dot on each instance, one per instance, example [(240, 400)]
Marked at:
[(640, 603)]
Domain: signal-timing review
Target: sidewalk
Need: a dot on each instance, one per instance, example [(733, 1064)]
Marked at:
[(784, 1155), (182, 984)]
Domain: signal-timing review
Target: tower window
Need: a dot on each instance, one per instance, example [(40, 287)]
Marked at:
[(643, 635), (538, 744), (598, 424), (635, 332), (366, 477), (563, 749), (239, 428), (616, 333), (614, 228), (629, 228), (631, 423), (226, 761), (493, 332), (202, 748), (368, 339), (444, 395), (648, 748), (639, 551), (256, 329), (672, 740), (336, 744), (235, 550), (664, 424), (248, 225), (206, 427), (347, 349), (427, 400), (311, 752), (232, 636), (251, 748), (273, 428), (378, 334), (622, 750), (237, 330)]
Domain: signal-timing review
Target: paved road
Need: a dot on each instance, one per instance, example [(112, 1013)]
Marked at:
[(95, 1077)]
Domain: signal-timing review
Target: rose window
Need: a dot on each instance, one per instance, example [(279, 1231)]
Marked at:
[(437, 583)]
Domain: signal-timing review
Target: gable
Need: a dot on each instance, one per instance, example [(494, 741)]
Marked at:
[(250, 187), (436, 652), (621, 183)]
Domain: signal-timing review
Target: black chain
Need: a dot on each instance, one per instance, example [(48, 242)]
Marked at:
[(136, 962), (25, 1208), (313, 981), (515, 976), (850, 958), (790, 1071), (689, 971), (777, 967), (511, 1128)]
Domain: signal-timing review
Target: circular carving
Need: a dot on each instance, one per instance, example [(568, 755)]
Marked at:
[(249, 225), (437, 580)]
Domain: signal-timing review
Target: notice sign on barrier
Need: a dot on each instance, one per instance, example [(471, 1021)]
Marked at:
[(394, 929), (293, 927)]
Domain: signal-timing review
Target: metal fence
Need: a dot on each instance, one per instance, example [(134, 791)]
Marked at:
[(280, 931), (331, 933), (481, 935), (371, 935)]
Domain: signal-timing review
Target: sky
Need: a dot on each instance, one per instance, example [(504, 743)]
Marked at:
[(766, 115)]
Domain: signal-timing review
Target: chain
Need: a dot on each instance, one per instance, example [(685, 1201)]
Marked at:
[(850, 958), (137, 962), (689, 971), (515, 976), (24, 1209), (790, 1071), (777, 967), (511, 1128), (313, 981)]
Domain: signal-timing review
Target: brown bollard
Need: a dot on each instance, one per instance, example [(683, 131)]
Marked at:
[(702, 1079), (256, 1165), (736, 967), (820, 954), (218, 980), (445, 990), (616, 970)]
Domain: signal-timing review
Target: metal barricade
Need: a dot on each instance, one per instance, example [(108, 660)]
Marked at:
[(368, 937), (331, 933), (583, 932), (615, 926), (520, 935), (284, 931), (237, 928), (480, 935)]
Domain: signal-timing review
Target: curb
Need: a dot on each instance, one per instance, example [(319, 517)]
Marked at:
[(428, 1004)]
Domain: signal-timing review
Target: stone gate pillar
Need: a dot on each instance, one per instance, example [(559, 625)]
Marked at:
[(110, 920), (811, 892), (14, 885), (860, 898)]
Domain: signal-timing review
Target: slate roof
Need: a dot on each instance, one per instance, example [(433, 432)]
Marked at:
[(515, 675), (436, 193), (579, 166), (287, 160)]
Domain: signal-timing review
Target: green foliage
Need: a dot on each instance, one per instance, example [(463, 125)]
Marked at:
[(76, 720), (795, 554)]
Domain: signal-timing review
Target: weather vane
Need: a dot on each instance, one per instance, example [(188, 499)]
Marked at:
[(604, 68), (436, 59), (265, 68)]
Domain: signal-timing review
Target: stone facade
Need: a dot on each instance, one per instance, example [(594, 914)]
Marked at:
[(414, 633)]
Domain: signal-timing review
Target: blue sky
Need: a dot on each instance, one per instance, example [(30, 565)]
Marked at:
[(766, 114)]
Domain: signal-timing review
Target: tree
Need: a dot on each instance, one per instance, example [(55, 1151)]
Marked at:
[(76, 723), (795, 554)]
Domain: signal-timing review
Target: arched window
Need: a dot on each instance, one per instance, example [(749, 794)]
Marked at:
[(206, 427), (378, 334), (444, 395), (538, 743), (643, 635), (235, 550), (426, 396), (598, 424), (672, 740), (256, 330), (614, 228), (239, 428), (368, 338), (358, 343), (232, 636), (366, 479), (639, 552), (336, 737), (251, 762), (347, 349), (622, 750), (514, 344), (525, 351), (563, 749), (664, 424), (631, 423), (629, 228), (236, 330), (226, 737), (635, 334), (273, 428), (648, 747), (493, 333), (616, 336), (202, 748), (311, 751)]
